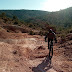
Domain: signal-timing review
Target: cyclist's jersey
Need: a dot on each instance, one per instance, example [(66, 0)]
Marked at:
[(51, 35)]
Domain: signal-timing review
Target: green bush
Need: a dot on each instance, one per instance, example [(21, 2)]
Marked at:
[(15, 22), (41, 33), (31, 33)]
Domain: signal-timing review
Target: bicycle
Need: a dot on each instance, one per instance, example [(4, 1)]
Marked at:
[(50, 50)]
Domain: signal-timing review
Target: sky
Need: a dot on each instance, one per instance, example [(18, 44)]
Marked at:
[(46, 5)]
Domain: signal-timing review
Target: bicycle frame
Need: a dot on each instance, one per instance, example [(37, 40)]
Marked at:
[(50, 49)]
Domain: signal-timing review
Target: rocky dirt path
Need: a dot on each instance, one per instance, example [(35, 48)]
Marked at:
[(42, 65), (29, 53)]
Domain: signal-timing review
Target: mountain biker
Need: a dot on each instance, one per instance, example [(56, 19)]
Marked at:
[(51, 36)]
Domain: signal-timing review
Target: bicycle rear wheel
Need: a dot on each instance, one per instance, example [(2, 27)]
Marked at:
[(51, 50)]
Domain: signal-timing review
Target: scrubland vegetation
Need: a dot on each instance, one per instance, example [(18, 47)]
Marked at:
[(40, 21)]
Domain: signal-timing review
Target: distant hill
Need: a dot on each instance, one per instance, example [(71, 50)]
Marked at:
[(24, 14), (37, 17)]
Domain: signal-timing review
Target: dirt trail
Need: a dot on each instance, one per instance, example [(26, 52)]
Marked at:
[(42, 65), (28, 53)]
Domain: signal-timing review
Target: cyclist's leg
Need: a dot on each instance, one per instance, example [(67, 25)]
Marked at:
[(52, 51), (49, 46), (52, 46), (49, 53), (48, 43)]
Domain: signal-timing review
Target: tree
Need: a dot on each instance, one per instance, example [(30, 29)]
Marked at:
[(15, 18), (3, 15)]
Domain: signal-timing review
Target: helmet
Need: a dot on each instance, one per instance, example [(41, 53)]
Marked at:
[(50, 30)]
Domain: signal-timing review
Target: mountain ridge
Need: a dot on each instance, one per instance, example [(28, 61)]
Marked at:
[(62, 17)]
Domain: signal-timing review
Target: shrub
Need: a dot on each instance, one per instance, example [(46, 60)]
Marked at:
[(15, 22), (31, 33), (63, 38), (41, 33)]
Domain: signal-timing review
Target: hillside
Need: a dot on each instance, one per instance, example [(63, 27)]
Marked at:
[(24, 14), (62, 17)]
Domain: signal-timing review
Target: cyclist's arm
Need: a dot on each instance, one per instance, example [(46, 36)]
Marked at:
[(46, 37), (55, 38)]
